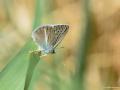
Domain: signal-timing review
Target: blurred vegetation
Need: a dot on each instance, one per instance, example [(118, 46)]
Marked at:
[(90, 58)]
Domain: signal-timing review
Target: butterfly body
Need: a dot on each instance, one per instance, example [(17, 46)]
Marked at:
[(47, 37), (48, 52)]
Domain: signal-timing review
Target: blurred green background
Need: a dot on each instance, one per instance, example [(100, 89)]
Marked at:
[(93, 41)]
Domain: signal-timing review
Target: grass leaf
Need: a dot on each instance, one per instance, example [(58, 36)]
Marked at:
[(34, 59), (85, 44), (13, 76)]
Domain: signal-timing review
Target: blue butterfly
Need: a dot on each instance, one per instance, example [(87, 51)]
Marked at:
[(47, 37)]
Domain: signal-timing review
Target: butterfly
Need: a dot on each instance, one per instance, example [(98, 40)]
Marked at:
[(47, 37)]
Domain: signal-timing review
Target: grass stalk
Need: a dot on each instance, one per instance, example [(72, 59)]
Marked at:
[(85, 44)]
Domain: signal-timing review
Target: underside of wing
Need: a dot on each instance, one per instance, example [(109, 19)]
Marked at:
[(60, 32), (48, 37), (38, 36)]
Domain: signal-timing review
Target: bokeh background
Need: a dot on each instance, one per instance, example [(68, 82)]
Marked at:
[(103, 61)]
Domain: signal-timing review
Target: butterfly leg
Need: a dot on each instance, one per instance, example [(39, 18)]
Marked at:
[(53, 51)]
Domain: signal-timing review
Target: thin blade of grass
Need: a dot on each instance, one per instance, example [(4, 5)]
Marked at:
[(85, 44), (34, 59), (13, 75), (18, 73)]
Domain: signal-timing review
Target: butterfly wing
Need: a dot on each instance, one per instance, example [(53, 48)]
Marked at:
[(49, 34), (59, 32), (40, 36)]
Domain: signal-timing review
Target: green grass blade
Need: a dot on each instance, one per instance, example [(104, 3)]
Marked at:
[(34, 59), (38, 13), (13, 75), (85, 44), (18, 73)]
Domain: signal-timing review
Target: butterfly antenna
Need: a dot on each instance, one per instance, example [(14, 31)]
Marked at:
[(59, 47)]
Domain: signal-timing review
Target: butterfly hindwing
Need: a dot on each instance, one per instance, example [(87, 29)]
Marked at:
[(59, 31), (50, 34)]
